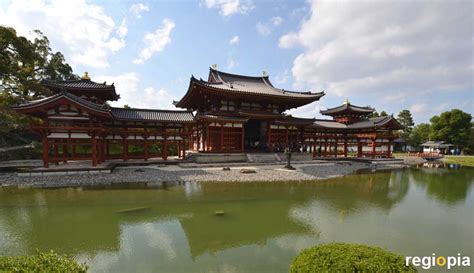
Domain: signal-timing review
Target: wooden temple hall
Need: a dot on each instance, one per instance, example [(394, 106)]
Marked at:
[(226, 113)]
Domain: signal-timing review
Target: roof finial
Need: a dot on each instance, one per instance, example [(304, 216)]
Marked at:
[(214, 66), (346, 101), (86, 76), (264, 73)]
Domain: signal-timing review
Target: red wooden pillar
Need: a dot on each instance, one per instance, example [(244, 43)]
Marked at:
[(99, 151), (183, 156), (45, 151), (326, 147), (242, 140), (287, 137), (222, 137), (389, 149), (374, 145), (94, 150), (145, 149), (107, 149), (345, 147), (208, 138), (335, 147), (56, 153), (359, 148)]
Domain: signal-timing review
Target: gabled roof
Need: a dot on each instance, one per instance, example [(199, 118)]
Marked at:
[(35, 104), (347, 108), (82, 86), (152, 115), (232, 85)]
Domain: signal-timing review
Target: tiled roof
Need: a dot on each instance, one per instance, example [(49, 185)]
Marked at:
[(220, 118), (249, 84), (78, 84), (347, 107), (295, 121), (85, 103), (228, 85), (152, 115), (83, 86), (363, 124)]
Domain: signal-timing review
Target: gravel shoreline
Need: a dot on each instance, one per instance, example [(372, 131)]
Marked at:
[(176, 174)]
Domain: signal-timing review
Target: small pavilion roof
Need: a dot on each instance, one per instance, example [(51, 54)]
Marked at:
[(347, 108), (226, 84), (35, 104), (83, 86), (133, 114)]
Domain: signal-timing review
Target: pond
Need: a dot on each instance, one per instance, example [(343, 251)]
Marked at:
[(414, 212)]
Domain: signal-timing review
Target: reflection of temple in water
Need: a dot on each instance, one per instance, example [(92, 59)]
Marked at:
[(78, 221)]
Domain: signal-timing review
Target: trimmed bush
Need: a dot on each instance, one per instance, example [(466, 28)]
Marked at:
[(41, 262), (342, 257)]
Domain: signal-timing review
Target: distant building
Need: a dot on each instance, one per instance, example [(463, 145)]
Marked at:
[(436, 147)]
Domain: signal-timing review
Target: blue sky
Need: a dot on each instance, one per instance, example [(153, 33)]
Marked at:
[(392, 55)]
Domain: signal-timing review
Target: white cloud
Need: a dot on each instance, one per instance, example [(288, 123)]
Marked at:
[(235, 40), (375, 50), (276, 21), (122, 30), (83, 32), (230, 7), (418, 108), (156, 41), (138, 8), (127, 85), (231, 63), (266, 28)]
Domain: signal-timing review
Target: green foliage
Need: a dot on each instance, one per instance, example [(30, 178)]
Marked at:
[(41, 262), (405, 118), (374, 114), (383, 114), (419, 134), (23, 64), (342, 257), (453, 127)]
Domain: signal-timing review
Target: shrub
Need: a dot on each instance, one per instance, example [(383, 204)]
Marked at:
[(342, 257), (41, 262)]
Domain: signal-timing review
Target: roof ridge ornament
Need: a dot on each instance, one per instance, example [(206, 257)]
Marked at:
[(86, 76), (264, 73), (214, 66), (346, 101)]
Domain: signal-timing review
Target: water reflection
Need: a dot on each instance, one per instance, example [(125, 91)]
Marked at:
[(264, 226), (444, 183)]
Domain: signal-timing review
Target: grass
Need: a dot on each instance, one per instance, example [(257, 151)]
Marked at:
[(465, 160)]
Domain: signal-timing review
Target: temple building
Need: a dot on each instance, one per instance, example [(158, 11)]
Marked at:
[(227, 113)]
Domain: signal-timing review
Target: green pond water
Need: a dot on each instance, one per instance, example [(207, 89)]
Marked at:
[(414, 212)]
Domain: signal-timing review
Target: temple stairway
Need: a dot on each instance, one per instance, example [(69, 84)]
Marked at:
[(262, 157)]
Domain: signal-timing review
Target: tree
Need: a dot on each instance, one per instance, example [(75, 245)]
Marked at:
[(419, 134), (23, 65), (405, 119), (374, 114), (453, 126), (383, 114)]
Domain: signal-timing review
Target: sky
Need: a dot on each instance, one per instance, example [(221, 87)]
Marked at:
[(391, 55)]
